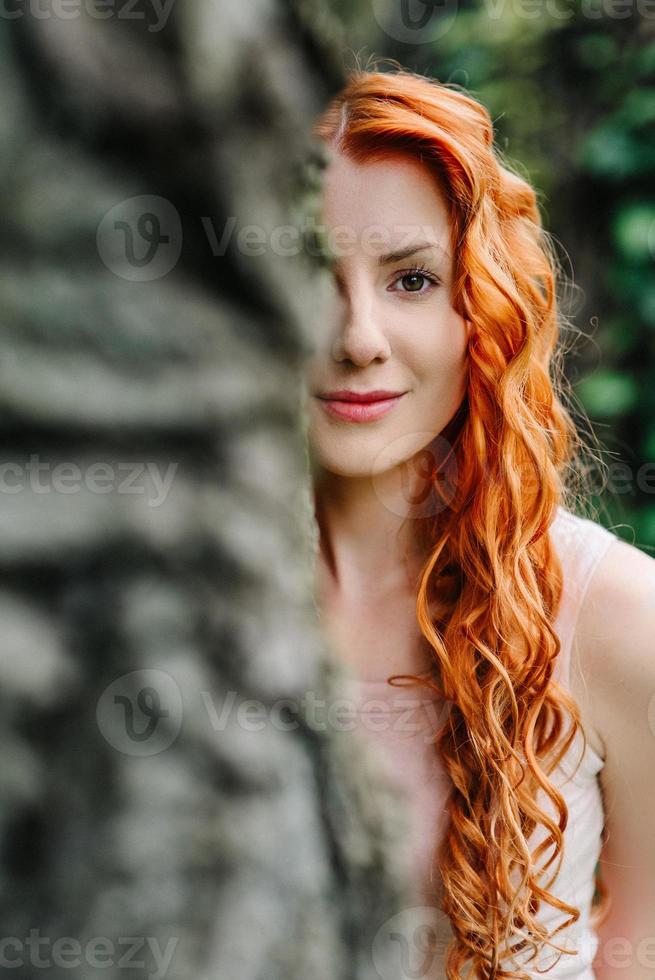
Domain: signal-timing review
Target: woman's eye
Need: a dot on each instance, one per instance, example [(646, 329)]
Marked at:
[(414, 279)]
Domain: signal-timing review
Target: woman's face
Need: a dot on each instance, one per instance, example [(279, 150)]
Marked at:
[(387, 328)]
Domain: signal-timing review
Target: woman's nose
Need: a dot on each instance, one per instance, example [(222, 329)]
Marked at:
[(360, 335)]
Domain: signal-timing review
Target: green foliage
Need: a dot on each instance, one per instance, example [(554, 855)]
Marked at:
[(608, 393)]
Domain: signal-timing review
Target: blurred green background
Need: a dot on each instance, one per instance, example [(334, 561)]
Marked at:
[(570, 87)]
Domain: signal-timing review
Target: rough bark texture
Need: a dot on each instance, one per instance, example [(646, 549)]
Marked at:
[(129, 810)]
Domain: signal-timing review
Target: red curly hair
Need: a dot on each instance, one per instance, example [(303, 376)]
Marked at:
[(492, 570)]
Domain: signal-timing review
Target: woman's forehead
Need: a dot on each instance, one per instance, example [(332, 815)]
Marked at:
[(396, 200)]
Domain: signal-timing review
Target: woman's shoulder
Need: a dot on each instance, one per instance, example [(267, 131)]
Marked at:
[(615, 632), (623, 579), (571, 529), (616, 635), (582, 545)]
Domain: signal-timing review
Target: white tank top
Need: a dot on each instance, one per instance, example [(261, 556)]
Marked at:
[(398, 723)]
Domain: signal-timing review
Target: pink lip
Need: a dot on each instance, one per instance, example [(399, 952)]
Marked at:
[(345, 395), (359, 411)]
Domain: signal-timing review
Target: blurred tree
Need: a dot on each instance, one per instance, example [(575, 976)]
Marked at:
[(156, 517)]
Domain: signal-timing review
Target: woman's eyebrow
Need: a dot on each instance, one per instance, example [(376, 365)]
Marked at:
[(404, 253)]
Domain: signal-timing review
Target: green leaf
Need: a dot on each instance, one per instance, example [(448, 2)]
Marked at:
[(634, 230), (607, 393), (597, 51)]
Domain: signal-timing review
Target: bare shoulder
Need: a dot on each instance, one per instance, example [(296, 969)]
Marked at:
[(615, 635), (615, 638)]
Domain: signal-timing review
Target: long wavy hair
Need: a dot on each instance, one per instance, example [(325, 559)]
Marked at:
[(490, 590)]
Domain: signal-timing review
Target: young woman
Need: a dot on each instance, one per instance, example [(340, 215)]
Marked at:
[(450, 551)]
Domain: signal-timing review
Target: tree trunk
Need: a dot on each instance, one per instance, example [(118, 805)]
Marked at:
[(157, 525)]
